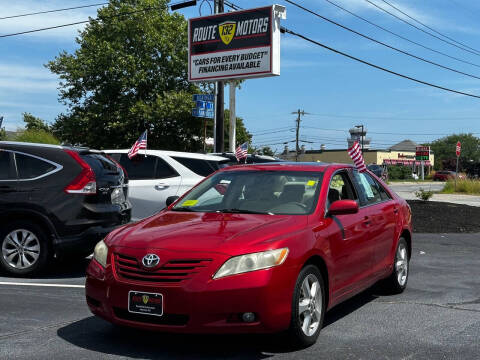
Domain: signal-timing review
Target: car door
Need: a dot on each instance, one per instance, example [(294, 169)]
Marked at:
[(350, 245), (151, 182), (8, 180), (380, 211)]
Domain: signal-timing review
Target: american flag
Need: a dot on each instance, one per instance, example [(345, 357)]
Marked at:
[(141, 143), (357, 157), (241, 151)]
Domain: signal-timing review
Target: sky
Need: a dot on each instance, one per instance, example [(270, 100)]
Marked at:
[(336, 92)]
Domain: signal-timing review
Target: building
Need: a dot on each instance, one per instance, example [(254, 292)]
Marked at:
[(402, 153)]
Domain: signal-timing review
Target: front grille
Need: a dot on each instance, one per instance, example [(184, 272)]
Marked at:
[(173, 271), (166, 319)]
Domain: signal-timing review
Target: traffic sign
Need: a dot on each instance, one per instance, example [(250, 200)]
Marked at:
[(458, 148), (204, 97), (202, 112), (422, 153)]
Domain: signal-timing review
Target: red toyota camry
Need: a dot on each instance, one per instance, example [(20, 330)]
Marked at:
[(255, 248)]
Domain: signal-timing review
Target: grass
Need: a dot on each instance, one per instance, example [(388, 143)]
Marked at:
[(464, 186)]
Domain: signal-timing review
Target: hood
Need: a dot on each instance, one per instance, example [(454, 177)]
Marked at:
[(206, 232)]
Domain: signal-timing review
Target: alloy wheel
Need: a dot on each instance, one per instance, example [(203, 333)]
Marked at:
[(21, 249), (401, 264), (310, 305)]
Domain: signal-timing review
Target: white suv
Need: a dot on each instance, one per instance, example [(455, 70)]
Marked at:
[(154, 175)]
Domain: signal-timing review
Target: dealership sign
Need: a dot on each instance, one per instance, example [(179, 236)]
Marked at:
[(235, 45), (422, 153)]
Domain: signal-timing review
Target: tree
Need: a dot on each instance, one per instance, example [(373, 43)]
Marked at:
[(37, 136), (242, 134), (129, 73), (34, 123), (444, 150)]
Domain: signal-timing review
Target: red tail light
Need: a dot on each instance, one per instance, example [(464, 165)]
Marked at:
[(118, 164), (85, 183)]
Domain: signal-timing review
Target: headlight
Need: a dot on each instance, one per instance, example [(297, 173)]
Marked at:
[(251, 262), (100, 253)]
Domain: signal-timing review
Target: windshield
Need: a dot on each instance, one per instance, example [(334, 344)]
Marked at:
[(255, 192)]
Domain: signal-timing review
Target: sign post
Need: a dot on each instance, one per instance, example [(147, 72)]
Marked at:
[(422, 153), (458, 150)]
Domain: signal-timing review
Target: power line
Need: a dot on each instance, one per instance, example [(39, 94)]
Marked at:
[(428, 27), (377, 66), (420, 29), (380, 42), (393, 118), (383, 133), (401, 36), (52, 11)]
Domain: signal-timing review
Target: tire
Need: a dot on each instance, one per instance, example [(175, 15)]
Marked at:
[(299, 334), (27, 238), (397, 281)]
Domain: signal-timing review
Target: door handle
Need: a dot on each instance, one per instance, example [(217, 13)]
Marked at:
[(161, 186), (367, 220), (395, 210)]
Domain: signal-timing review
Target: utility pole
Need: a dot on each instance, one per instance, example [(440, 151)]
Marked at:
[(361, 134), (233, 118), (299, 119), (220, 95)]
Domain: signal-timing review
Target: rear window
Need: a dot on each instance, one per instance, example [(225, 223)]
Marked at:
[(30, 167), (100, 164), (198, 166)]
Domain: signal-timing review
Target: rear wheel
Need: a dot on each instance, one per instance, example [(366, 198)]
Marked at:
[(397, 282), (24, 249), (308, 307)]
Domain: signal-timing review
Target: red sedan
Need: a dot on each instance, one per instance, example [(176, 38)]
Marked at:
[(256, 248)]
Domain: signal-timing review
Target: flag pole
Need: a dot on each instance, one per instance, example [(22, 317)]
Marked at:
[(146, 142)]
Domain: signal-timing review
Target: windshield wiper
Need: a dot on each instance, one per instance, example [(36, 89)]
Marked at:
[(243, 211), (183, 208)]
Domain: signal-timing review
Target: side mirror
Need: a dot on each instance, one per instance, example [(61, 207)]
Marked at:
[(171, 200), (343, 207)]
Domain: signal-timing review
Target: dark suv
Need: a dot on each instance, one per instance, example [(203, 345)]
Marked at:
[(56, 200)]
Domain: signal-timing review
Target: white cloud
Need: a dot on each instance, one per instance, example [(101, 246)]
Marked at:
[(22, 78)]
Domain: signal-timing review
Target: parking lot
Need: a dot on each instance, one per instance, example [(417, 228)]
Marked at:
[(438, 316)]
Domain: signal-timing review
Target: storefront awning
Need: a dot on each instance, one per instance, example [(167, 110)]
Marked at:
[(405, 162)]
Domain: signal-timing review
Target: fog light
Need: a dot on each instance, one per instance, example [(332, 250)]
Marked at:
[(248, 317)]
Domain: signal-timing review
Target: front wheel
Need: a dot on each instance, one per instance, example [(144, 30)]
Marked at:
[(308, 307), (397, 282)]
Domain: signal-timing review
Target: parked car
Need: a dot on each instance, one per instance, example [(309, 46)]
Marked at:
[(155, 175), (255, 248), (251, 158), (56, 200), (444, 175)]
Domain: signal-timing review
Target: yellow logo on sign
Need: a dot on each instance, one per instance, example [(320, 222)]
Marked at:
[(227, 31), (145, 299)]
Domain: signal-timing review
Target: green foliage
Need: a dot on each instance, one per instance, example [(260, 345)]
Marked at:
[(129, 73), (396, 172), (444, 150), (34, 123), (3, 134), (424, 195), (466, 186), (37, 136)]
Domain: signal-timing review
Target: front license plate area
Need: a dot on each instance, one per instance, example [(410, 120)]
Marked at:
[(140, 302)]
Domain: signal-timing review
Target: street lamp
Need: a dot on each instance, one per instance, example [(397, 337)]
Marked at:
[(361, 134)]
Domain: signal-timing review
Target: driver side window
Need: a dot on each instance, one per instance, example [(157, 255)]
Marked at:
[(340, 189)]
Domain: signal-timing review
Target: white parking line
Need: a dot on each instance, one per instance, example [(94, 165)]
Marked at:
[(41, 284)]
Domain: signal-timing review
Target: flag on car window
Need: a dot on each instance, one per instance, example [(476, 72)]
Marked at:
[(141, 143), (241, 152), (356, 154)]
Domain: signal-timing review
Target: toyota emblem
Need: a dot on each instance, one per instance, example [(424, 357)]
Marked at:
[(150, 260)]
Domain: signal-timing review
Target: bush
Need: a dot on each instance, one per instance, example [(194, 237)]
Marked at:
[(396, 172), (37, 136), (466, 186), (424, 195)]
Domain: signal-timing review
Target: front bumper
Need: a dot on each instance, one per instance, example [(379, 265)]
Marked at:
[(200, 304)]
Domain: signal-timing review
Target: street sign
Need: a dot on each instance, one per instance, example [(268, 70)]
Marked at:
[(235, 45), (458, 148), (204, 97), (422, 153), (202, 112)]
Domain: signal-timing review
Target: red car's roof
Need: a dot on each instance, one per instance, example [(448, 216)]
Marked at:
[(287, 166)]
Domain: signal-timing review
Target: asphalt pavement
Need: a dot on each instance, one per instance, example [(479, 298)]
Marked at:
[(437, 317), (407, 191)]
